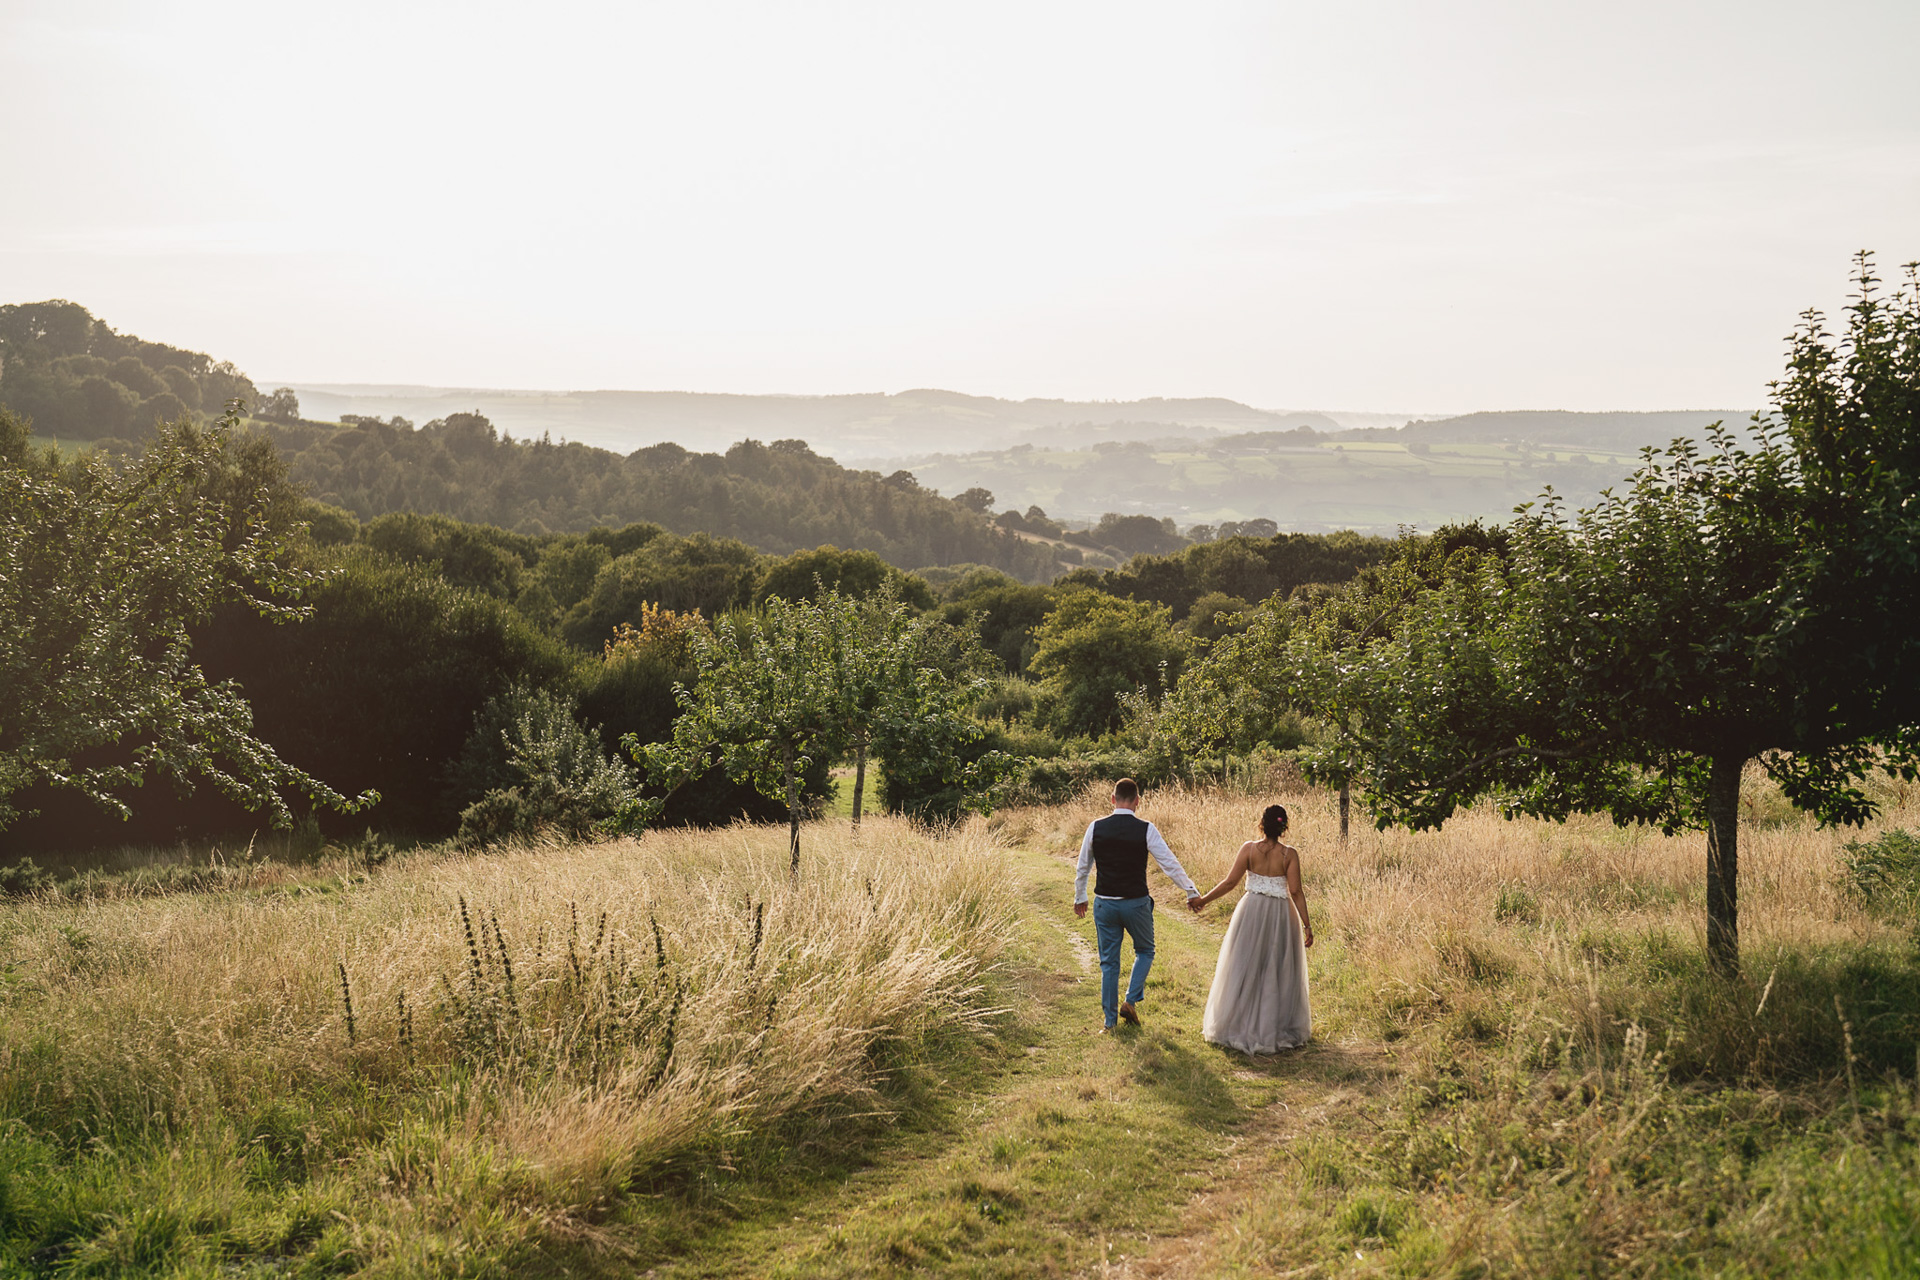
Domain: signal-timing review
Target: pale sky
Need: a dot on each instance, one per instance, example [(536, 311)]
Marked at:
[(1345, 205)]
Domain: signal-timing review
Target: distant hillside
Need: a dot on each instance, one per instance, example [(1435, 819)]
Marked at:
[(677, 457), (73, 376), (847, 427), (1561, 428), (779, 497), (1426, 475)]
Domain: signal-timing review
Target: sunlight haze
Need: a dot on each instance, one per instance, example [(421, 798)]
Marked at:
[(1386, 206)]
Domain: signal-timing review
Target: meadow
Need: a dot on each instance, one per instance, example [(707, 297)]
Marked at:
[(1521, 1066)]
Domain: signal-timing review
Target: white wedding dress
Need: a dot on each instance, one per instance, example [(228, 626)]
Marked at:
[(1259, 999)]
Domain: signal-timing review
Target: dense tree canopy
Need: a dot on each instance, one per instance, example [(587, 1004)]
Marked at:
[(1241, 567), (1094, 649), (777, 498), (71, 375), (102, 576)]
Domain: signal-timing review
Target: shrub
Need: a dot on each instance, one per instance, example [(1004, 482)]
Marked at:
[(631, 691), (23, 878), (1884, 871), (711, 575), (542, 770)]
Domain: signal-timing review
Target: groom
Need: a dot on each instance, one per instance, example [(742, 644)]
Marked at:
[(1118, 845)]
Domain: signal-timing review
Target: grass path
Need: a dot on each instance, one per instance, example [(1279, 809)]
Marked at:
[(1068, 1153)]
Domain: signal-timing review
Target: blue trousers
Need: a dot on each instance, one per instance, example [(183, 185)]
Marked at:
[(1111, 918)]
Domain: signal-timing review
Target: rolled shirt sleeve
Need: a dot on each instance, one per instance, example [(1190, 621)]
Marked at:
[(1157, 846)]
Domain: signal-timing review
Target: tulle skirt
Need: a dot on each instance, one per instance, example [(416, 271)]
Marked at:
[(1259, 999)]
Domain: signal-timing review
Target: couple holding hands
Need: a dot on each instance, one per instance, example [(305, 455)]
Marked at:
[(1258, 1003)]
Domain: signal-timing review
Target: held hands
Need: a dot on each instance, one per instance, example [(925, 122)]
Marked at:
[(1197, 903)]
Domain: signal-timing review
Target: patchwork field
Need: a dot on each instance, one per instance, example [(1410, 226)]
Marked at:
[(1370, 486)]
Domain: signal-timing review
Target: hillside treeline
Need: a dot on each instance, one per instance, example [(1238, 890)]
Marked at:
[(1237, 571), (420, 637), (777, 497), (73, 376)]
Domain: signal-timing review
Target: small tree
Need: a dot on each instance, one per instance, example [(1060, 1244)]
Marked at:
[(930, 676), (766, 701), (1093, 649), (1611, 666)]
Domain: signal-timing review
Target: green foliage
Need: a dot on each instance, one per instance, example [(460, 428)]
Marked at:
[(1137, 535), (1226, 701), (382, 679), (561, 577), (538, 769), (632, 692), (807, 680), (477, 557), (906, 690), (73, 376), (777, 498), (1003, 612), (805, 575), (102, 576), (1632, 659), (1094, 649), (1240, 568), (1851, 408), (712, 575), (24, 878), (766, 703), (1215, 616), (1061, 778), (1885, 870)]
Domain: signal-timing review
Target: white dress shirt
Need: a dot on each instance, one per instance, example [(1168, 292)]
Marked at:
[(1156, 845)]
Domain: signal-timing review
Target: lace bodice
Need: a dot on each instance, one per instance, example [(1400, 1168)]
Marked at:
[(1272, 886)]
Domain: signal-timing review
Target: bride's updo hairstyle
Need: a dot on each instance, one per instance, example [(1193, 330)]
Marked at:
[(1273, 823)]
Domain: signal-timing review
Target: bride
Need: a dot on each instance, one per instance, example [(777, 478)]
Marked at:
[(1259, 999)]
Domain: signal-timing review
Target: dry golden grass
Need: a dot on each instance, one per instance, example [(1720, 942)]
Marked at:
[(1388, 894), (564, 1051), (1579, 913), (1524, 1067)]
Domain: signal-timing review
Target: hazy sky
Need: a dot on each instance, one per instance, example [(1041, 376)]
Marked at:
[(1419, 206)]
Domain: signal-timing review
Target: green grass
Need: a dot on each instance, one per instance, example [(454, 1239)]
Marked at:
[(1631, 1115)]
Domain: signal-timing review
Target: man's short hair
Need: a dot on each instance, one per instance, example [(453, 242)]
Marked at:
[(1126, 789)]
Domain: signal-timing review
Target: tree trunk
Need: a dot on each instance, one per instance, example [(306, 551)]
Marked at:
[(859, 776), (1723, 864), (1346, 809), (793, 814)]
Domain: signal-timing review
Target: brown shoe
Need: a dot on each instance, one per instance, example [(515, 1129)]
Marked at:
[(1128, 1012)]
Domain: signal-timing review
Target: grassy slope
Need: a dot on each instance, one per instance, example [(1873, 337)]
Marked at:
[(1451, 1121), (1518, 1069), (1061, 1150)]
